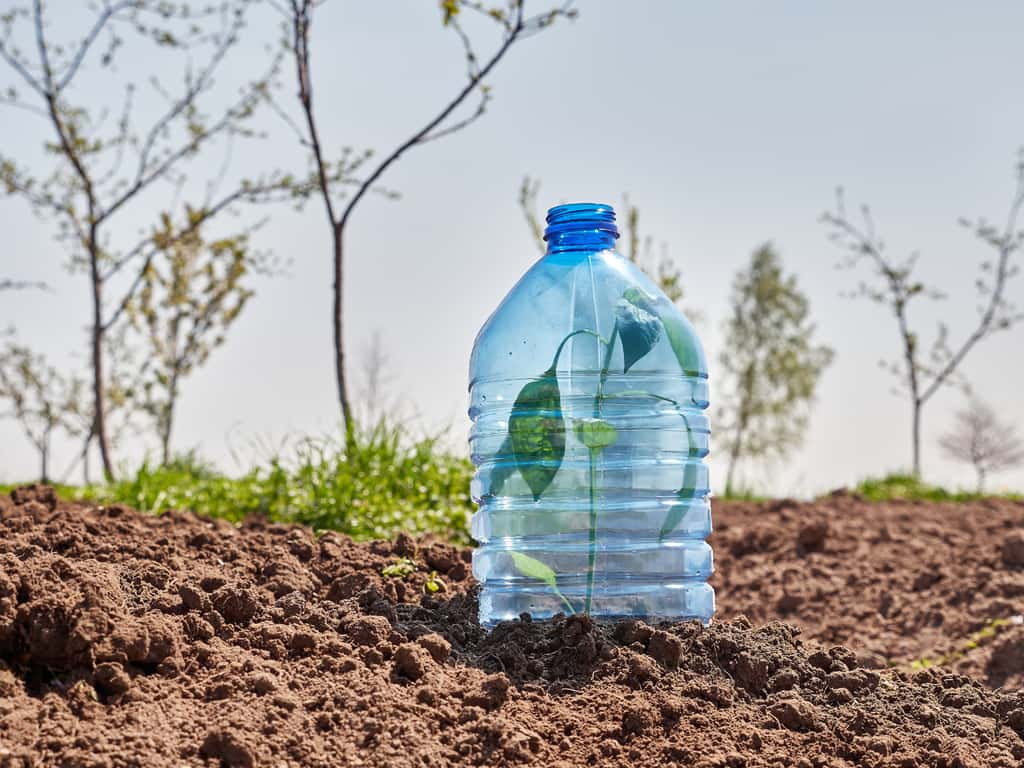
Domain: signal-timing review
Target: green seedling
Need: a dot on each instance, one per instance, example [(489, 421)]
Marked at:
[(535, 569), (978, 639), (399, 569), (84, 688), (537, 430), (434, 584)]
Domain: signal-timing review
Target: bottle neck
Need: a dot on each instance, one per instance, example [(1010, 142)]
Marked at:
[(580, 227)]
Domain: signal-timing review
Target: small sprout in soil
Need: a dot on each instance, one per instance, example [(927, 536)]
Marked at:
[(399, 569), (976, 640), (84, 688), (434, 584), (535, 569)]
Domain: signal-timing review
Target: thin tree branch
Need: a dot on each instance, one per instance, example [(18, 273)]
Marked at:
[(18, 67), (53, 108), (456, 127), (44, 55), (124, 128), (472, 65), (454, 104), (10, 102), (278, 110), (528, 205), (301, 10), (20, 285), (151, 250), (145, 176), (108, 12)]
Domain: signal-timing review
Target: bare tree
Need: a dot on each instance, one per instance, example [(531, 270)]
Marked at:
[(333, 177), (979, 438), (188, 300), (40, 399), (894, 285), (98, 171)]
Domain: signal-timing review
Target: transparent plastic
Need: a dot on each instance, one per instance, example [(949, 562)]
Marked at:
[(587, 395)]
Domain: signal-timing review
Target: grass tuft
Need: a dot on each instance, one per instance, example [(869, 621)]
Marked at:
[(909, 488)]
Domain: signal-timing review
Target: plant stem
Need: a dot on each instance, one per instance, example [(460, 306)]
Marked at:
[(592, 546), (592, 543), (558, 352), (568, 603), (604, 370)]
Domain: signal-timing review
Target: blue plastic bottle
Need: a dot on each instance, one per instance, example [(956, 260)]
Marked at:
[(587, 392)]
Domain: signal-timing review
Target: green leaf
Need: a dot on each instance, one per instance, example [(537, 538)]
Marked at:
[(595, 433), (638, 324), (684, 344), (537, 429), (451, 10), (689, 490), (677, 511), (672, 519), (535, 569), (399, 569)]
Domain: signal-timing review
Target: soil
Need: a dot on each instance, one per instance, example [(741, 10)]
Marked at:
[(130, 640), (903, 583)]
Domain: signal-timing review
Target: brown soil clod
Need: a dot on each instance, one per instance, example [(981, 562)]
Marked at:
[(1013, 549)]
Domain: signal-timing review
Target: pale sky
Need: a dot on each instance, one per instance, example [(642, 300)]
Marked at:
[(728, 124)]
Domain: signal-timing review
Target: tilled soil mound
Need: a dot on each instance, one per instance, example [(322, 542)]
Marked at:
[(902, 582), (128, 640)]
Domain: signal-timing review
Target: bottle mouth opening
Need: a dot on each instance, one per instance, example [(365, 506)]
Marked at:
[(581, 217)]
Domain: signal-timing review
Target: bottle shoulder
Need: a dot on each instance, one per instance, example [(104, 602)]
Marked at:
[(583, 300)]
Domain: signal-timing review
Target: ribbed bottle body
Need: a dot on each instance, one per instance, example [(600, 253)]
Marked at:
[(587, 396)]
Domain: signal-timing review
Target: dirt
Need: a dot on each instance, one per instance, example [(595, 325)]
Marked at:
[(904, 583), (129, 640)]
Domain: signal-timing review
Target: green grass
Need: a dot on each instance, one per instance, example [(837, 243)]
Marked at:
[(742, 494), (910, 488), (385, 482)]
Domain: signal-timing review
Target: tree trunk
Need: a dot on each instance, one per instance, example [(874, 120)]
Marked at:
[(44, 455), (167, 422), (742, 420), (165, 443), (981, 480), (728, 475), (86, 473), (98, 387), (339, 338), (734, 455), (917, 439)]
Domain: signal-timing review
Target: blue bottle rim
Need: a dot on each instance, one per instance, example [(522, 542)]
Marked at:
[(581, 217)]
